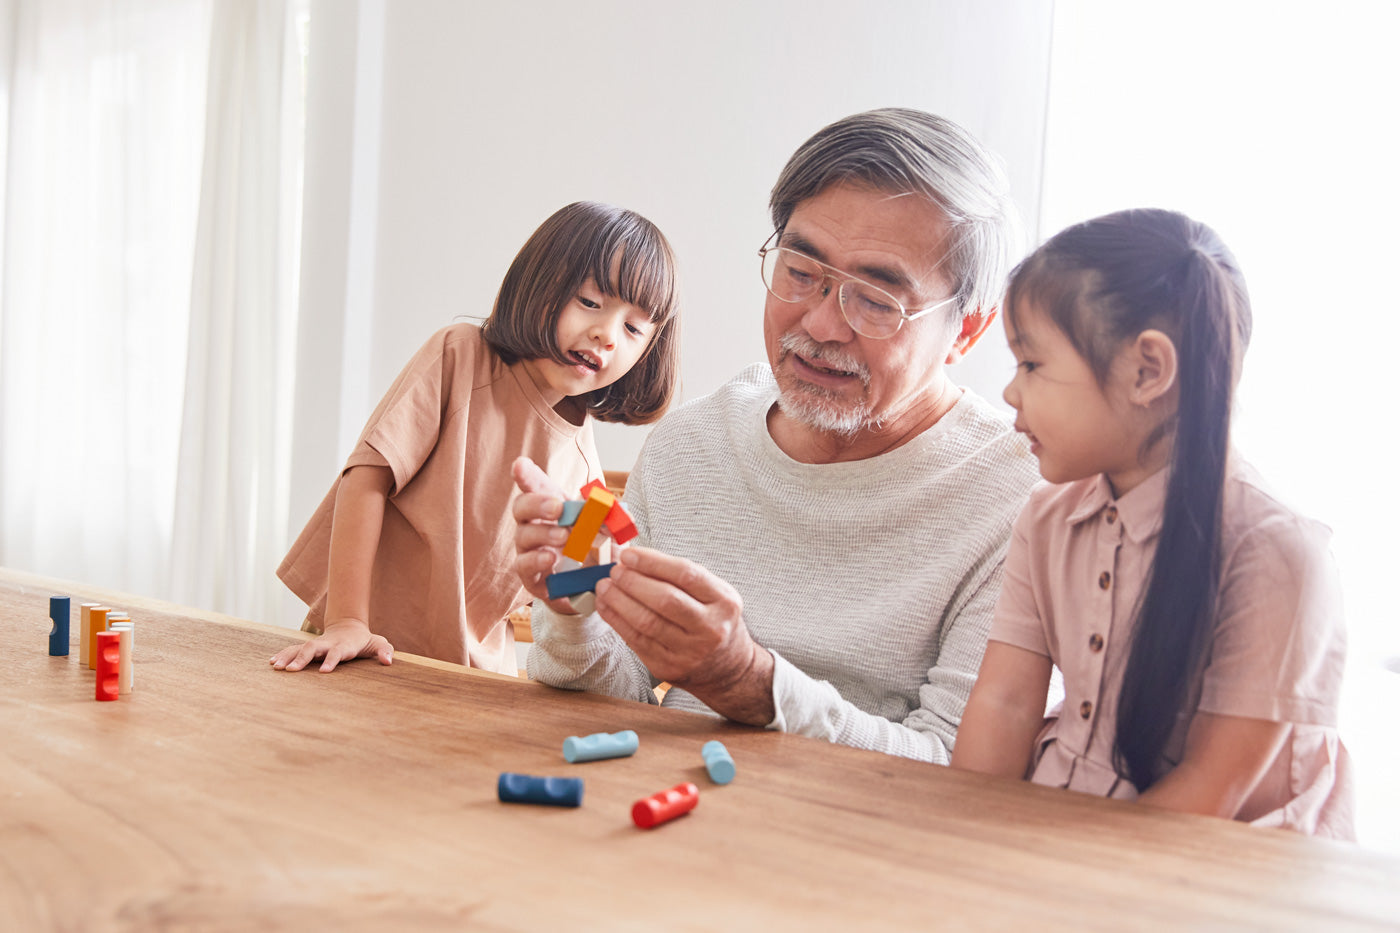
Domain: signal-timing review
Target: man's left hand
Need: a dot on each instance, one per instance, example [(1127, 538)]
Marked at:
[(687, 626)]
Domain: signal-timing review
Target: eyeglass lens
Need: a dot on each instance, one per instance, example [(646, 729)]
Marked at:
[(794, 277)]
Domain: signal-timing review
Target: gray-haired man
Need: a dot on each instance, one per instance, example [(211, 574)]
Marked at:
[(823, 535)]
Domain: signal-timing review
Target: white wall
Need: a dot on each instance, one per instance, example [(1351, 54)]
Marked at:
[(440, 134)]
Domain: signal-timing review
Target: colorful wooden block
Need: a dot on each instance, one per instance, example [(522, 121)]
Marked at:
[(96, 622), (85, 631), (665, 806), (618, 520), (127, 630), (573, 582), (552, 791), (570, 514), (599, 746), (717, 761), (109, 663), (59, 611), (589, 521)]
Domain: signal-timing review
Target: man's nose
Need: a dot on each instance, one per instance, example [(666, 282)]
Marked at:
[(824, 320)]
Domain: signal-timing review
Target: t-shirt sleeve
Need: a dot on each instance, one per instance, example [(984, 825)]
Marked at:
[(406, 424), (1280, 643), (1017, 619)]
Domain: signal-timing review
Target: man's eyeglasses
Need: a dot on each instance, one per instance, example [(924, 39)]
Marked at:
[(871, 311)]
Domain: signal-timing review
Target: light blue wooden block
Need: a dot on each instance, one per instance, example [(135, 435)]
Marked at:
[(717, 761), (599, 746), (570, 514)]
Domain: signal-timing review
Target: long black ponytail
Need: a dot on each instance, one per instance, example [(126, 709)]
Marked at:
[(1103, 282)]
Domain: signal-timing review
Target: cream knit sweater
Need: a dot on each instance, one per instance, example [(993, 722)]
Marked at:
[(871, 582)]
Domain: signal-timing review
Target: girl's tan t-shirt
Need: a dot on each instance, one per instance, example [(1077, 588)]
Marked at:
[(449, 428)]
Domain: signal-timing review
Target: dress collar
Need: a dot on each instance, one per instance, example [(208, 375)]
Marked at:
[(1140, 509)]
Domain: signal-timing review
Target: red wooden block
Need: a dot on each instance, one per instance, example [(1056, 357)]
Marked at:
[(665, 806), (109, 665)]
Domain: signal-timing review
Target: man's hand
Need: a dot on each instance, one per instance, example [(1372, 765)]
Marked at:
[(538, 537), (687, 627), (344, 640)]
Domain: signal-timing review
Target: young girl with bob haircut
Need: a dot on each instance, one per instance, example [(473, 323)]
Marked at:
[(1196, 619), (413, 546)]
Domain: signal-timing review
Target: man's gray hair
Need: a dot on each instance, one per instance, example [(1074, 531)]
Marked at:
[(904, 151)]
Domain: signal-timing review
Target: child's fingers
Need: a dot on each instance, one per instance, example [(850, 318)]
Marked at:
[(530, 478)]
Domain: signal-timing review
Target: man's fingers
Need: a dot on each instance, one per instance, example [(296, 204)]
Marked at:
[(690, 578)]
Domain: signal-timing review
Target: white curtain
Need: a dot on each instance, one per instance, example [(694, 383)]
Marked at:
[(118, 334), (231, 493)]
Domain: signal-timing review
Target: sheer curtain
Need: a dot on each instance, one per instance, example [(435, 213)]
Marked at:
[(1276, 124), (127, 195)]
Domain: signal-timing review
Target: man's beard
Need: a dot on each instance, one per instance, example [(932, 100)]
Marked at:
[(815, 406)]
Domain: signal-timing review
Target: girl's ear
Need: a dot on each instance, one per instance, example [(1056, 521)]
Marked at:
[(1153, 357)]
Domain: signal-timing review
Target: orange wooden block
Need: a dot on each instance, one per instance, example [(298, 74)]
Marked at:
[(96, 622), (85, 632), (109, 663), (618, 521), (590, 520)]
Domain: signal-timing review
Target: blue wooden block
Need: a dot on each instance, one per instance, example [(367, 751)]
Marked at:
[(573, 582), (571, 509), (717, 761), (59, 610), (526, 788), (599, 746)]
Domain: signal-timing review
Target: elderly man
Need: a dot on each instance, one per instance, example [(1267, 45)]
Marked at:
[(823, 535)]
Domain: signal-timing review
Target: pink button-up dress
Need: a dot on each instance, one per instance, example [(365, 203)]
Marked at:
[(1077, 564)]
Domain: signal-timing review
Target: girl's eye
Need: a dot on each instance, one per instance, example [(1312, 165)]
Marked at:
[(588, 303), (634, 330), (1027, 366)]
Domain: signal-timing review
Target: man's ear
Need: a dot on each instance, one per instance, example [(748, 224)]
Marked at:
[(1153, 361), (973, 326)]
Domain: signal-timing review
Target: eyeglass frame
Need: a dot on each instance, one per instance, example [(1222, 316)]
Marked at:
[(833, 273)]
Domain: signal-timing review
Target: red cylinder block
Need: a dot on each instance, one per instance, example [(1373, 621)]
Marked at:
[(667, 805), (109, 663)]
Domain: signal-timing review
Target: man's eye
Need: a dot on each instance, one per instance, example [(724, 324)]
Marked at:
[(873, 307), (800, 276)]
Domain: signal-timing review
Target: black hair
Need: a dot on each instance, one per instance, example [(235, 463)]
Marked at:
[(1103, 282)]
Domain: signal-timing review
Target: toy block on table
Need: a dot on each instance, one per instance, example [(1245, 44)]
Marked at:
[(84, 630), (618, 520), (599, 746), (717, 761), (570, 514), (96, 622), (552, 791), (665, 806), (127, 630), (573, 582), (109, 663), (59, 611), (589, 521)]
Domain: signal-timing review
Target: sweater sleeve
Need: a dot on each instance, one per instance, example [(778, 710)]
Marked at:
[(584, 653), (815, 708)]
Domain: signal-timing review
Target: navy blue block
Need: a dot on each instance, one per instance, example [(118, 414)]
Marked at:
[(526, 788), (59, 610), (573, 582)]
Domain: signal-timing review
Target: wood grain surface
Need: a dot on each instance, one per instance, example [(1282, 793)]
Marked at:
[(223, 795)]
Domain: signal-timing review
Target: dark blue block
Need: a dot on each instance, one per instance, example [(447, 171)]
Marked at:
[(573, 582), (525, 788), (58, 635)]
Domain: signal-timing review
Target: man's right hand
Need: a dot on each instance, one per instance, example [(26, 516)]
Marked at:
[(539, 539), (344, 640)]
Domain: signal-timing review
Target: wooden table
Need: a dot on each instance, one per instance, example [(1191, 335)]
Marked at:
[(224, 795)]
